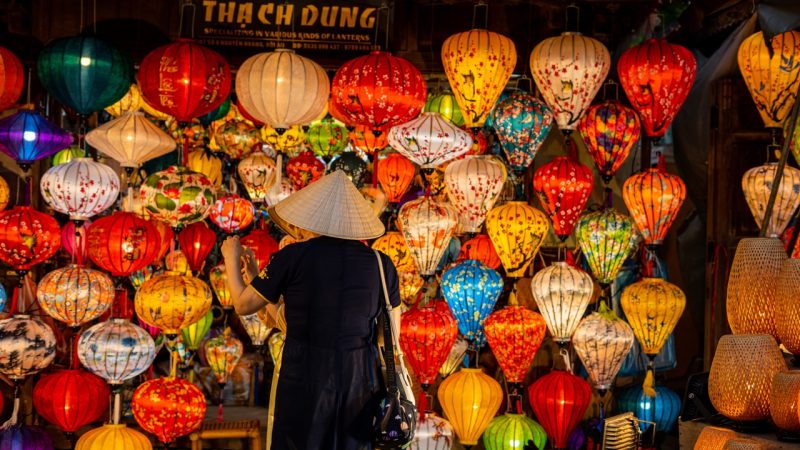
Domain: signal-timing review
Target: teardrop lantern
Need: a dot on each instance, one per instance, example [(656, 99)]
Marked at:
[(81, 188), (563, 187), (131, 140), (395, 174), (473, 185), (757, 184), (27, 137), (223, 353), (256, 328), (178, 196), (122, 243), (602, 341), (116, 350), (427, 227), (609, 130), (514, 432), (427, 335), (429, 140), (257, 173), (471, 290), (188, 298), (12, 76), (653, 198), (521, 123), (470, 399), (517, 231), (29, 346), (75, 294), (70, 399), (562, 294), (515, 334), (219, 283), (27, 237), (606, 239), (559, 400), (168, 407)]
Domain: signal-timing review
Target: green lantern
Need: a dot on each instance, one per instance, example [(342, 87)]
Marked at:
[(606, 238), (352, 165), (327, 137), (445, 104), (193, 335), (217, 114), (85, 73), (514, 432), (66, 155)]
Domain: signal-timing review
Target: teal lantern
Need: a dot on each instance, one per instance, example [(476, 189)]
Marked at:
[(606, 239), (663, 409), (445, 104), (471, 290), (352, 165), (514, 432), (85, 73), (327, 137), (521, 123), (217, 114)]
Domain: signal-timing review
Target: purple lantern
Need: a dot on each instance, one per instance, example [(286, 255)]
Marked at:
[(26, 136), (23, 437)]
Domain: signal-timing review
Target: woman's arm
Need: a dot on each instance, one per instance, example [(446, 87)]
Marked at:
[(245, 299)]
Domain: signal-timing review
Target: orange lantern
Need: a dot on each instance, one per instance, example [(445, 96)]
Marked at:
[(394, 246), (232, 213), (515, 334), (609, 131), (168, 407), (304, 169), (27, 237), (122, 243), (365, 140), (427, 227), (395, 174), (481, 248), (75, 294), (654, 198)]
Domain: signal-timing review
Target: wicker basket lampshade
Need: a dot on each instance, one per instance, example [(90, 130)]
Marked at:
[(752, 285), (783, 403), (740, 382), (742, 444), (713, 438), (787, 309)]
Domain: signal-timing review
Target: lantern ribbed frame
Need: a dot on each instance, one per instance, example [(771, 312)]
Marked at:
[(427, 335), (606, 239), (81, 188), (473, 186), (514, 432), (122, 243), (116, 350), (189, 301), (178, 196), (204, 162), (12, 76), (481, 248), (196, 241), (563, 187), (515, 334), (429, 140), (742, 444), (602, 341), (559, 400), (609, 131), (432, 433), (427, 226), (75, 294), (256, 329), (713, 438), (471, 290), (654, 198), (446, 104), (257, 173), (27, 136), (168, 407), (394, 246), (395, 174), (652, 307), (784, 399), (787, 309), (521, 123), (222, 354), (131, 139), (517, 231), (27, 237), (757, 184), (70, 399), (113, 437), (31, 347), (562, 294), (752, 285), (470, 399)]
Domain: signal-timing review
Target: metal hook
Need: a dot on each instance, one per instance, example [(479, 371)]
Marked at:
[(611, 82)]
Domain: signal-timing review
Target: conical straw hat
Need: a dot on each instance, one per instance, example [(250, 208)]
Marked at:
[(330, 206)]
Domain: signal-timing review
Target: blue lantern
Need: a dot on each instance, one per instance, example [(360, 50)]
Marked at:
[(521, 124), (471, 290), (26, 137), (663, 409)]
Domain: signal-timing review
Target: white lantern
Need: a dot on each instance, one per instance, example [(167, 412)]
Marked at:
[(279, 191), (257, 173), (433, 433), (602, 341), (562, 294), (116, 350), (427, 227), (282, 88), (28, 346), (256, 328), (75, 294), (757, 183), (473, 185), (130, 140), (80, 188), (429, 140)]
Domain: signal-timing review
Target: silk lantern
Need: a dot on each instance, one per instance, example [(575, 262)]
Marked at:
[(771, 74), (563, 187), (757, 184), (205, 163), (602, 341), (131, 139), (75, 294), (184, 79), (113, 437), (394, 246), (784, 396), (177, 196), (427, 335), (470, 399), (116, 350), (432, 433), (168, 407), (713, 438), (189, 300), (70, 399), (657, 77), (29, 346), (395, 174), (12, 78), (471, 291), (515, 334), (256, 329), (122, 243), (787, 311), (27, 237), (378, 91), (327, 137), (167, 236), (562, 293), (81, 188), (606, 239), (427, 227), (480, 248), (232, 213), (236, 138), (176, 263), (223, 353), (740, 381), (290, 143), (410, 285), (5, 190), (219, 283), (569, 70), (663, 409), (473, 186), (559, 400), (257, 173), (517, 230), (478, 63), (362, 138), (654, 198), (609, 130), (68, 154), (24, 437), (429, 140), (27, 137), (304, 169), (514, 432), (521, 123), (446, 105), (194, 334), (752, 285), (130, 102), (455, 360), (188, 135)]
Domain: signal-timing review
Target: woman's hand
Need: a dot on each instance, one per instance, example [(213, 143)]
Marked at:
[(250, 266), (231, 249)]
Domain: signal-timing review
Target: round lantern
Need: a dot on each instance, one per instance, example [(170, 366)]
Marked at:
[(654, 198), (232, 213), (517, 231), (204, 162), (752, 286), (521, 123), (304, 169), (113, 437), (514, 432), (515, 334), (427, 227), (427, 335), (116, 350), (5, 191), (68, 154), (394, 246), (177, 196), (740, 381), (70, 399), (257, 173), (657, 77), (81, 188), (327, 137), (478, 63), (27, 237), (122, 243), (172, 302), (569, 70), (429, 140), (377, 91), (27, 136), (75, 294), (184, 79), (470, 399), (563, 187), (713, 438), (255, 328), (609, 131), (24, 437), (787, 311), (652, 307), (168, 407), (471, 291), (562, 293), (236, 138), (193, 335), (12, 78), (480, 248), (131, 140), (352, 165), (446, 105), (783, 401), (29, 346), (363, 139), (606, 239), (757, 184), (219, 283), (473, 185), (222, 353), (395, 174), (432, 433), (602, 341), (559, 400), (663, 409)]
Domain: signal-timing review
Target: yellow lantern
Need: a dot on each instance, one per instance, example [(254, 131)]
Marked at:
[(478, 64), (394, 246), (427, 227), (5, 193), (171, 301), (713, 438), (113, 437), (177, 263), (223, 353), (470, 399), (752, 285), (517, 230), (784, 398), (219, 283), (757, 184), (202, 161), (130, 140), (562, 293), (130, 102), (473, 185), (257, 173), (410, 285), (291, 142), (771, 74), (787, 309)]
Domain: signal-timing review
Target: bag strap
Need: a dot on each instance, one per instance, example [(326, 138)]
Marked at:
[(388, 340)]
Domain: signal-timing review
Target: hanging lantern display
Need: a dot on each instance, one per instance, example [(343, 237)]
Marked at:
[(446, 105), (30, 346), (517, 230), (12, 78), (362, 138), (219, 283), (236, 138), (177, 196), (606, 239), (27, 237), (232, 213), (75, 294), (602, 341), (410, 285), (327, 137), (122, 243), (478, 63), (81, 188), (223, 353), (757, 184), (471, 290), (427, 335), (171, 301), (654, 198), (205, 163), (521, 123), (652, 306), (257, 173), (5, 190), (130, 139), (116, 350), (184, 79), (752, 286), (559, 400), (563, 187), (609, 130), (352, 165), (84, 72), (18, 437), (515, 334), (657, 77), (427, 227), (787, 311), (562, 294), (514, 432), (304, 169), (473, 185), (394, 246), (470, 399), (70, 399), (455, 359), (395, 174), (480, 248), (27, 137), (432, 433), (663, 409), (193, 335), (569, 70), (168, 407), (429, 140), (130, 102), (378, 91), (113, 437), (255, 328)]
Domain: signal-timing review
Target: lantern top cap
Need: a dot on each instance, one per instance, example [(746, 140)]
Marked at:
[(571, 33), (471, 369), (288, 50)]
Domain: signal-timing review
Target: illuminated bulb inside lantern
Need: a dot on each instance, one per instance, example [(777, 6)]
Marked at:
[(29, 136), (86, 61), (185, 81), (127, 247)]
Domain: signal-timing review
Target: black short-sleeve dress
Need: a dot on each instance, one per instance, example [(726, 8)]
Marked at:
[(328, 373)]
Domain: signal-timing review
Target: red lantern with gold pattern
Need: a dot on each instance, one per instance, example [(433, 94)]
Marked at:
[(262, 244), (70, 399), (563, 187), (122, 243), (12, 78), (395, 174), (304, 169), (168, 407), (559, 400), (515, 334), (480, 248), (196, 241), (27, 237)]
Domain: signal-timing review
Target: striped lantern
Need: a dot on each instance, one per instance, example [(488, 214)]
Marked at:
[(70, 399), (514, 432), (122, 243), (602, 341), (471, 291), (257, 173), (116, 350), (113, 437), (429, 140), (563, 187), (131, 140), (75, 294), (787, 310), (654, 197), (222, 354), (29, 346), (562, 293), (395, 174), (606, 239), (189, 300), (364, 140), (446, 105), (559, 400), (130, 102), (193, 335), (81, 188), (757, 184), (515, 334), (609, 130), (470, 399), (427, 335), (427, 227), (517, 230), (473, 186)]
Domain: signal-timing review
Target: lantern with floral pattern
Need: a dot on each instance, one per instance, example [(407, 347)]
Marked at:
[(222, 353), (429, 140), (232, 213), (81, 188), (427, 227), (327, 137), (255, 328), (426, 336), (168, 407), (304, 169), (563, 187), (27, 237), (171, 301), (606, 239), (602, 341), (757, 186), (517, 230), (521, 123), (204, 162), (394, 246), (609, 130), (514, 334), (257, 173), (178, 196), (562, 293), (236, 138), (471, 290), (473, 185)]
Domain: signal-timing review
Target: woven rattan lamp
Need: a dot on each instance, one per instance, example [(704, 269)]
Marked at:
[(742, 444), (713, 438), (787, 308), (752, 285), (783, 404)]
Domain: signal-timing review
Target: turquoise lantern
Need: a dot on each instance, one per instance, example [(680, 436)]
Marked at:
[(514, 432), (663, 409), (26, 137), (327, 137), (521, 123), (471, 290), (3, 297)]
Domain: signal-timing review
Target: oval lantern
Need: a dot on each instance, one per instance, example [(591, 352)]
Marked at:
[(81, 188), (656, 77), (446, 105), (602, 341), (473, 186), (257, 330), (521, 123), (131, 140), (27, 137), (184, 79), (116, 350), (471, 291), (395, 174), (517, 230), (193, 335), (562, 293), (189, 300), (470, 399), (663, 409), (606, 239), (652, 307), (178, 196), (559, 400), (75, 294), (204, 162), (219, 283), (223, 353), (394, 246), (257, 173), (19, 437), (70, 399), (569, 70), (237, 138), (427, 335), (429, 140), (432, 433), (27, 237), (29, 346), (262, 244), (514, 432), (122, 243), (113, 437), (480, 248), (327, 137), (232, 213), (654, 198), (304, 169), (515, 334), (563, 187), (12, 78), (427, 227), (757, 185), (168, 407), (609, 130)]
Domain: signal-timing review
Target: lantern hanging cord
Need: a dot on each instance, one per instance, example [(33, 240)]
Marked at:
[(80, 23), (479, 4), (186, 4), (117, 406), (381, 9)]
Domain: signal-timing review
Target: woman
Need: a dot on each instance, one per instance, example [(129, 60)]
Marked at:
[(332, 291)]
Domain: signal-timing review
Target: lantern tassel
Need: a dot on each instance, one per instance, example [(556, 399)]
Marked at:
[(649, 385), (422, 402)]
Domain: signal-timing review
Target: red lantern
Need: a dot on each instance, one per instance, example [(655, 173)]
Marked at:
[(73, 240), (427, 335), (168, 407), (12, 78), (365, 140), (166, 234), (122, 243), (656, 76), (27, 237), (559, 400), (196, 241), (70, 399), (395, 174), (262, 244), (304, 169), (480, 248), (378, 91), (563, 187), (653, 198), (609, 130), (515, 334), (184, 79)]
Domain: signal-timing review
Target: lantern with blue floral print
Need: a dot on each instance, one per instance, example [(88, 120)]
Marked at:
[(471, 290)]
